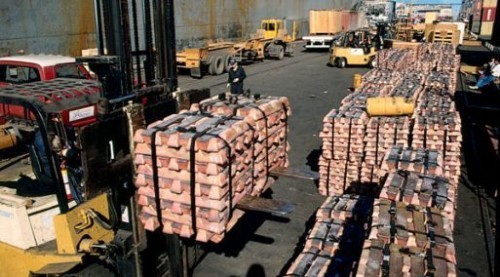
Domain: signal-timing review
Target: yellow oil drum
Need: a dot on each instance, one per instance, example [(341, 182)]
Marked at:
[(357, 81), (8, 138), (380, 106)]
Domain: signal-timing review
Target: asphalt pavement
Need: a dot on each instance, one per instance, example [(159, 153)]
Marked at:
[(263, 245)]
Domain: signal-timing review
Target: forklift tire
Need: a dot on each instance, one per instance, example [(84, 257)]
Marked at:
[(93, 270), (372, 63), (341, 62)]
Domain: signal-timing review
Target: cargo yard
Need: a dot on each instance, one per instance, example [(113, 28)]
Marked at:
[(334, 138)]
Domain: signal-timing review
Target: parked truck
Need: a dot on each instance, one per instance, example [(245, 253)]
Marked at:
[(325, 26), (272, 41)]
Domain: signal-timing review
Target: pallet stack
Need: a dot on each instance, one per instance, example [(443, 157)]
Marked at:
[(381, 259), (342, 146), (415, 160), (438, 126), (400, 230), (269, 118), (202, 167), (333, 245), (382, 133), (420, 189)]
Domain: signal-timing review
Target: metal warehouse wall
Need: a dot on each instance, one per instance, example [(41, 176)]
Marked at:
[(235, 19), (67, 26), (46, 26)]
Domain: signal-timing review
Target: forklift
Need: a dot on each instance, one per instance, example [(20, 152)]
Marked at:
[(354, 48), (67, 195), (75, 214)]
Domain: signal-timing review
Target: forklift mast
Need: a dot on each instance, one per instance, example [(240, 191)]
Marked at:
[(136, 46)]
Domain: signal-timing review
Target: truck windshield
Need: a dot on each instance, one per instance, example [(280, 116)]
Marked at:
[(70, 70)]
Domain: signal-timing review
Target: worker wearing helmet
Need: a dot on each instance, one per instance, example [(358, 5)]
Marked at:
[(236, 75)]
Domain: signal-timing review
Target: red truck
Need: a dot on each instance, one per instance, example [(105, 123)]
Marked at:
[(32, 68)]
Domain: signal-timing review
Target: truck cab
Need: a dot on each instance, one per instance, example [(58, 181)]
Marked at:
[(32, 68)]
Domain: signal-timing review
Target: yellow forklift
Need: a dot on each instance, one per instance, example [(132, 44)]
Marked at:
[(67, 198), (355, 48), (67, 195)]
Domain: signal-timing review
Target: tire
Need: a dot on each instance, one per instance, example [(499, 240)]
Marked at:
[(372, 63), (341, 62), (210, 61), (94, 270), (281, 52), (217, 66), (226, 62)]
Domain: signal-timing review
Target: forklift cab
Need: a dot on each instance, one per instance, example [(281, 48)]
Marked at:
[(55, 229), (354, 48)]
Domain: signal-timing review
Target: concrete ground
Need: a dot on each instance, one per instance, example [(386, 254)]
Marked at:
[(261, 245)]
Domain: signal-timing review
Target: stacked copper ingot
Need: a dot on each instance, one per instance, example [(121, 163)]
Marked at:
[(410, 225), (202, 166), (426, 62), (449, 63), (382, 133), (407, 87), (442, 80), (381, 259), (342, 149), (269, 118), (421, 189), (419, 160), (381, 76), (333, 245), (395, 59), (438, 126)]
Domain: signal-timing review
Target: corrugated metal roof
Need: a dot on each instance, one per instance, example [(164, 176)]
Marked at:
[(40, 59)]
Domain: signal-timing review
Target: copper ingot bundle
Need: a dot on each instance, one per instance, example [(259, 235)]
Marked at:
[(421, 189), (381, 259), (197, 167), (410, 225), (342, 149), (269, 118), (334, 243), (382, 133), (438, 126)]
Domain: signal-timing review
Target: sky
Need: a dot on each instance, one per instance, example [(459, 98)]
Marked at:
[(456, 8)]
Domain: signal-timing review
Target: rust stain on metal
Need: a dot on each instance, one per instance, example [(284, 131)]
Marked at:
[(212, 18)]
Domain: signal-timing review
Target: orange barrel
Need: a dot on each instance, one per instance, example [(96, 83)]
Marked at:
[(357, 81), (376, 106), (8, 138)]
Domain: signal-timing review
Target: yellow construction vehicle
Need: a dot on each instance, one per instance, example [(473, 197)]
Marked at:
[(67, 197), (273, 41), (284, 29), (354, 48)]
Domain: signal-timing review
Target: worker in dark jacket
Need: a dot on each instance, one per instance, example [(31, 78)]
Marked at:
[(236, 75)]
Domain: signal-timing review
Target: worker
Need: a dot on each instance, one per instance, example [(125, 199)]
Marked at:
[(350, 41), (495, 68), (367, 45), (236, 75), (40, 165), (486, 79)]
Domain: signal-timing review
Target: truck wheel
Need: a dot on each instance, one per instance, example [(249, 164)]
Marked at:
[(341, 62), (226, 63), (372, 63), (217, 66), (210, 61), (281, 52)]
